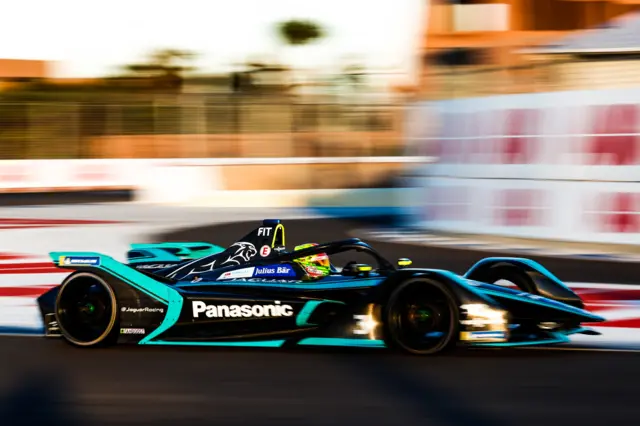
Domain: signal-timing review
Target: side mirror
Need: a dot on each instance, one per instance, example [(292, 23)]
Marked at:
[(404, 262), (356, 269), (364, 268)]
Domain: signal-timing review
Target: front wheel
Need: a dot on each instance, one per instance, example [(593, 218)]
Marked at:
[(421, 318), (86, 311)]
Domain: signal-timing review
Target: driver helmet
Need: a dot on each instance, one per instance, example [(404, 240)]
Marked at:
[(317, 265)]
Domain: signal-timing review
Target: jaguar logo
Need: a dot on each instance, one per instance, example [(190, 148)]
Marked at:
[(244, 252), (204, 268)]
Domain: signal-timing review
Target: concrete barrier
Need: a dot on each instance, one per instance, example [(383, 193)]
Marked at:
[(339, 202), (293, 182), (340, 185)]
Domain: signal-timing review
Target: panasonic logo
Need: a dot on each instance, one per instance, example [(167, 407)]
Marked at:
[(241, 311)]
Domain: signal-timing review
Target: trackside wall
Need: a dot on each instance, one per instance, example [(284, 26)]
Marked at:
[(358, 182), (561, 166)]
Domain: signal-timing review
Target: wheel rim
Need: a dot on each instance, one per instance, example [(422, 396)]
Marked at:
[(419, 323), (85, 310)]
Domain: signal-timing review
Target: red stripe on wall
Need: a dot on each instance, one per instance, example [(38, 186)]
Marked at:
[(30, 268)]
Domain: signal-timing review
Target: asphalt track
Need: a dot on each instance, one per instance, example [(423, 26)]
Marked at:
[(48, 382)]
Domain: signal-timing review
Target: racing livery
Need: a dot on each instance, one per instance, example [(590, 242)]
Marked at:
[(157, 256), (257, 293)]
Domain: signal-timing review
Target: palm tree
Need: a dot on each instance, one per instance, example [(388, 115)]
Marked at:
[(299, 32), (165, 66)]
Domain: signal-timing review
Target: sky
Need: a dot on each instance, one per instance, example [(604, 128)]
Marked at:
[(91, 38)]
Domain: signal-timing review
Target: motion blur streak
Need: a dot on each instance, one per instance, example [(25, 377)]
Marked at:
[(460, 115)]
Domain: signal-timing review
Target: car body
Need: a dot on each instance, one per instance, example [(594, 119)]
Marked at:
[(255, 294), (157, 256)]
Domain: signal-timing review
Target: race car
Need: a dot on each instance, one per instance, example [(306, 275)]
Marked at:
[(256, 293)]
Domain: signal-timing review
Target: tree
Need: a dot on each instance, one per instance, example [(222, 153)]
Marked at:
[(298, 32), (165, 67), (354, 74)]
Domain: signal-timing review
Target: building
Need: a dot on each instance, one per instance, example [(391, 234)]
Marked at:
[(16, 71), (497, 40)]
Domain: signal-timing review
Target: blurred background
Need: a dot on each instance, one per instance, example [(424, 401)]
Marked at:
[(480, 121), (388, 86), (205, 80), (201, 79)]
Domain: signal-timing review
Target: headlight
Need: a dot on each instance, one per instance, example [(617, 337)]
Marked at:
[(480, 315)]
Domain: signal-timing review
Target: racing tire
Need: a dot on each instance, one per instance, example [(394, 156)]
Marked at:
[(87, 311), (402, 332)]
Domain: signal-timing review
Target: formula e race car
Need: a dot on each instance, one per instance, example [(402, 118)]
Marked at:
[(255, 293)]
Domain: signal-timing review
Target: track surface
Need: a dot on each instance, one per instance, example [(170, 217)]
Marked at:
[(49, 382)]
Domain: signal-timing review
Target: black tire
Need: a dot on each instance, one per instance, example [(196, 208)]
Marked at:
[(400, 328), (512, 274), (74, 321)]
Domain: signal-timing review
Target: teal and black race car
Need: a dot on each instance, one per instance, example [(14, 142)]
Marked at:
[(256, 293)]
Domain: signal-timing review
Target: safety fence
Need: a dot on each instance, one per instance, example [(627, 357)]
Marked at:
[(179, 126)]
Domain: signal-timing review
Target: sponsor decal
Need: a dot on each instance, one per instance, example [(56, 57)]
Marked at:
[(264, 232), (616, 212), (238, 273), (244, 252), (241, 311), (279, 249), (519, 207), (265, 251), (483, 335), (155, 266), (52, 326), (142, 310), (274, 271), (79, 260), (365, 324), (264, 280), (313, 271), (132, 331)]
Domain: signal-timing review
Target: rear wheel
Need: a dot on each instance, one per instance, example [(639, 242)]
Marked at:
[(421, 318), (86, 311)]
